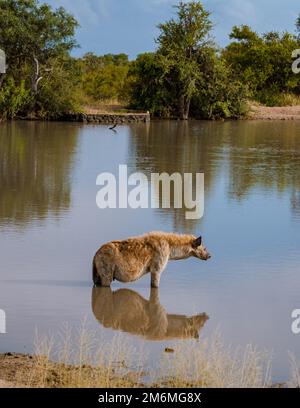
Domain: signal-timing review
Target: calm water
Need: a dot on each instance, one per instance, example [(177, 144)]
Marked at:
[(50, 228)]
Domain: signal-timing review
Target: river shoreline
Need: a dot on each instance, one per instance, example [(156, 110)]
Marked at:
[(256, 112), (107, 118), (261, 112), (24, 371)]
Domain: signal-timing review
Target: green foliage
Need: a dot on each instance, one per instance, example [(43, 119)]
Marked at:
[(29, 29), (181, 42), (105, 77), (263, 62), (186, 74), (14, 99), (36, 40), (60, 91), (149, 91), (219, 94)]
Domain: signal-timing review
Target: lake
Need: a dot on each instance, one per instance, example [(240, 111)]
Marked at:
[(50, 228)]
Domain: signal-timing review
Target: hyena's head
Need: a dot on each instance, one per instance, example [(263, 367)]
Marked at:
[(199, 250)]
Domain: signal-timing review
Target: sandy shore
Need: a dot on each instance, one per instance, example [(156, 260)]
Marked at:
[(275, 113), (12, 367), (5, 384)]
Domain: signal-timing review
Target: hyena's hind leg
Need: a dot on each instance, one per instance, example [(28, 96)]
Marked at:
[(102, 274), (96, 277)]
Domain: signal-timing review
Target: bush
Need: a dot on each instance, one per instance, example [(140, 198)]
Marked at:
[(14, 99), (149, 91), (105, 77), (263, 63), (59, 92), (218, 94)]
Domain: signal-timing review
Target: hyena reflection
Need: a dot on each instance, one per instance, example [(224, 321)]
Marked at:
[(127, 311)]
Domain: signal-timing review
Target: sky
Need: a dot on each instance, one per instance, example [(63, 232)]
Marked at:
[(129, 26)]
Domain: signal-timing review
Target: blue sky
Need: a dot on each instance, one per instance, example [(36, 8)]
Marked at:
[(129, 26)]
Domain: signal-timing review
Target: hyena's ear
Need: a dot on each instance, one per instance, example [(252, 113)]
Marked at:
[(197, 242)]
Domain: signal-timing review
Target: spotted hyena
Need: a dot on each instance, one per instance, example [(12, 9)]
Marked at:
[(129, 260)]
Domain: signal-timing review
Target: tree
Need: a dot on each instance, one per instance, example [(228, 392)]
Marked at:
[(104, 77), (149, 91), (181, 40), (219, 93), (263, 63), (32, 35)]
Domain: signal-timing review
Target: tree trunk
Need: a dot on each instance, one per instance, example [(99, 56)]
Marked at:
[(36, 76), (35, 79), (184, 107)]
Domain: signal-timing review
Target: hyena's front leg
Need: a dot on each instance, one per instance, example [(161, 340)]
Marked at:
[(155, 279), (156, 269)]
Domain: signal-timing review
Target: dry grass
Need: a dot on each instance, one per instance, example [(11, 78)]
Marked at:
[(209, 364), (93, 107), (75, 360), (288, 99), (295, 380)]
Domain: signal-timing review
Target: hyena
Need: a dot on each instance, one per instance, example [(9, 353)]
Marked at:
[(127, 311), (129, 260)]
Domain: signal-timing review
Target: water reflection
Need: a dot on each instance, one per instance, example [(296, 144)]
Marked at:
[(295, 204), (170, 146), (35, 170), (246, 155), (265, 155), (127, 311)]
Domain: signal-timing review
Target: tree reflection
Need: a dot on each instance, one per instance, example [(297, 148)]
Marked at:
[(264, 154), (247, 154), (35, 170), (184, 147)]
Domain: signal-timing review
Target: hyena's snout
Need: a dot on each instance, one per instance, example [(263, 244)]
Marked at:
[(207, 256), (204, 254), (199, 250)]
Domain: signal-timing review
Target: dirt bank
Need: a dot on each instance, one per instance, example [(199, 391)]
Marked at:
[(25, 371), (22, 371), (275, 113), (13, 367)]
